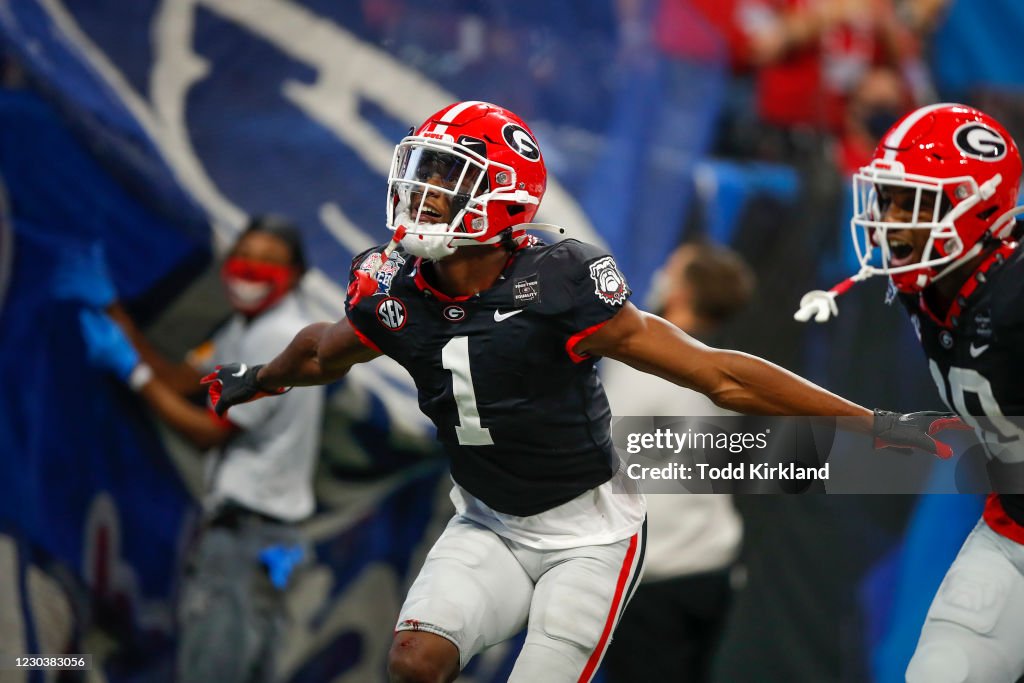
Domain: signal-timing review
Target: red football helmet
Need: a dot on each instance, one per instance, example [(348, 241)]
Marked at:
[(475, 162), (955, 159)]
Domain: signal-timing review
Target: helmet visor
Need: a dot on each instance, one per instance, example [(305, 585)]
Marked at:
[(432, 184)]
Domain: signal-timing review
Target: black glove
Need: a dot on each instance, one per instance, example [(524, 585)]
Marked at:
[(235, 383), (904, 431)]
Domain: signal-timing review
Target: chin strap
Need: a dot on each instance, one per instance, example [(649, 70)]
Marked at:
[(544, 227), (1002, 229), (365, 282), (821, 303), (957, 262)]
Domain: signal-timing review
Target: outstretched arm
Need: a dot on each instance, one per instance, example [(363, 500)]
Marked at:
[(319, 354), (749, 384), (733, 380)]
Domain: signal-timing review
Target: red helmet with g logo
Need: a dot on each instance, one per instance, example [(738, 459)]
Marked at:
[(964, 170), (469, 173)]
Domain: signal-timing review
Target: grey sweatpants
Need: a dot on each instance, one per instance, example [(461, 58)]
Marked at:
[(231, 618)]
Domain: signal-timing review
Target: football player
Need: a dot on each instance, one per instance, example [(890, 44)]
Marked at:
[(934, 211), (501, 334)]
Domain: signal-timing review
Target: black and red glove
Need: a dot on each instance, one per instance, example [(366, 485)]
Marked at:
[(904, 431), (235, 383)]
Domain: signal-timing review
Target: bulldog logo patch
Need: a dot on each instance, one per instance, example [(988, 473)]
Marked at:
[(609, 284)]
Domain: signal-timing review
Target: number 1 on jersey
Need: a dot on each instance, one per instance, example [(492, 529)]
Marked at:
[(455, 359)]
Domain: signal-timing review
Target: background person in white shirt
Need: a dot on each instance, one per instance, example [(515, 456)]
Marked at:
[(260, 465), (677, 613)]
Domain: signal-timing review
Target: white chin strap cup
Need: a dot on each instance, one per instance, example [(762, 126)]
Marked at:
[(430, 247), (820, 304)]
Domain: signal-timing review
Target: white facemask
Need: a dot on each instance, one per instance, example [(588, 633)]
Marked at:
[(431, 247)]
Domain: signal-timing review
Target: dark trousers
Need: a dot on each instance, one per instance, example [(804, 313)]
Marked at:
[(232, 620), (670, 630)]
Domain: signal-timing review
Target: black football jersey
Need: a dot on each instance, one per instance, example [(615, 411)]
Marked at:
[(524, 420), (976, 360)]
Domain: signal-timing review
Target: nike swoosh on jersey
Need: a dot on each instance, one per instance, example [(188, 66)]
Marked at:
[(977, 351), (499, 316), (241, 371)]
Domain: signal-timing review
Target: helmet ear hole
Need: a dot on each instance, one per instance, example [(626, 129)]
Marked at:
[(515, 209), (987, 213)]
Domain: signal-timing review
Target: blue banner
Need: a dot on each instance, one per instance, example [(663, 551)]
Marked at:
[(156, 128)]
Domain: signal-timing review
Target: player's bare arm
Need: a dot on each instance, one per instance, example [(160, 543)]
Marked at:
[(748, 384), (733, 380), (320, 353)]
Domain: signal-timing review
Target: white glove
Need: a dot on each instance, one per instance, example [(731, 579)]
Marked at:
[(819, 303)]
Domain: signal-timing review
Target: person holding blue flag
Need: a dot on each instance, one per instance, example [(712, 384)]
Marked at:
[(259, 471)]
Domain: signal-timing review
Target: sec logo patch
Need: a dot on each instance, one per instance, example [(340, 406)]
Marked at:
[(391, 313)]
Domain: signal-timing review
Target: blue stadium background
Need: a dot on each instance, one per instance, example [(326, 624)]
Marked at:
[(154, 128)]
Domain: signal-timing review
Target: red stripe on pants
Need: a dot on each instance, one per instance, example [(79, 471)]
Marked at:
[(595, 657)]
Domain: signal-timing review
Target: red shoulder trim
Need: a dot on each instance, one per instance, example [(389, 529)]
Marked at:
[(362, 337), (575, 339)]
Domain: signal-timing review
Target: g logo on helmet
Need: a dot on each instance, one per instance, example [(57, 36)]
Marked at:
[(978, 141), (521, 142)]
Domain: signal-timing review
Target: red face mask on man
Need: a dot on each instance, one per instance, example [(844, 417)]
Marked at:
[(253, 286)]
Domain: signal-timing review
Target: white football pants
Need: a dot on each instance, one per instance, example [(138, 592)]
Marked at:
[(974, 632), (478, 589)]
